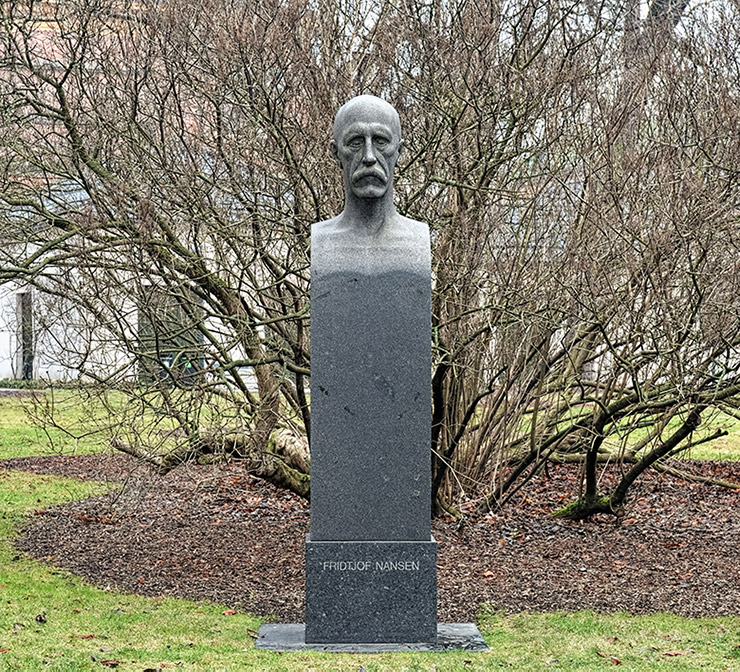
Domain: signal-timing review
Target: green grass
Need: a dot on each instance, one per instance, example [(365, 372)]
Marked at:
[(22, 434), (724, 448), (587, 641), (77, 421), (85, 623)]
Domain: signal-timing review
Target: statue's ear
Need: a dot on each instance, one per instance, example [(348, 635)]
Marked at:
[(400, 146), (335, 152)]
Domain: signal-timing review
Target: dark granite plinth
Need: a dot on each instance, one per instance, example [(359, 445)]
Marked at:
[(371, 591), (292, 637), (370, 405)]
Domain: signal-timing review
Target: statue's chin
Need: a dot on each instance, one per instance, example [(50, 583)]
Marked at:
[(369, 190)]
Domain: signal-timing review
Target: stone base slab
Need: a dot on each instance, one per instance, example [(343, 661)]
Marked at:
[(371, 591), (292, 637)]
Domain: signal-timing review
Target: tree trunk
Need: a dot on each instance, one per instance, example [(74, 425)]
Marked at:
[(284, 461)]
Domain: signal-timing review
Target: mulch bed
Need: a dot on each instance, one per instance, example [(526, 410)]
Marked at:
[(215, 532)]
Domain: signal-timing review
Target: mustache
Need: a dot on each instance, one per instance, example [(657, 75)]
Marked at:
[(362, 174)]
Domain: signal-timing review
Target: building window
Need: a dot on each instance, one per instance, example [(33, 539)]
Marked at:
[(170, 340)]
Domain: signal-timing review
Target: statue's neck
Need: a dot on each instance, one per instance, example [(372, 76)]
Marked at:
[(369, 214)]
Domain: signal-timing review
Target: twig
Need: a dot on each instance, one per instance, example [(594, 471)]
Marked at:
[(685, 475)]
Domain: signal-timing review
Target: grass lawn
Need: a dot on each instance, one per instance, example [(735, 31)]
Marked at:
[(22, 435), (724, 448), (52, 620)]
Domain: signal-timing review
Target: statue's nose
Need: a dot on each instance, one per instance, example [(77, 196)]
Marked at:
[(368, 156)]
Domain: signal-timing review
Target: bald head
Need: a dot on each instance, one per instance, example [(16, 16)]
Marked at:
[(366, 108)]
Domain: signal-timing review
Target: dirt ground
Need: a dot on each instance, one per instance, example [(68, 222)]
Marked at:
[(215, 532)]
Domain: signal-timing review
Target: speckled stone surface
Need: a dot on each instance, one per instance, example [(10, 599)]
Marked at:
[(369, 591), (370, 560), (292, 637), (370, 388)]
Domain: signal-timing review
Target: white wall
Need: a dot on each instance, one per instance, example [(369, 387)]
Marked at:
[(66, 342), (7, 331), (48, 363)]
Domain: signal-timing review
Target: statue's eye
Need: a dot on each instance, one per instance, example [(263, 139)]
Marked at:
[(381, 142), (355, 143)]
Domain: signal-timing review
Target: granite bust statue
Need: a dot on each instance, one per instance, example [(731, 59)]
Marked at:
[(370, 345), (370, 401), (371, 562), (366, 144)]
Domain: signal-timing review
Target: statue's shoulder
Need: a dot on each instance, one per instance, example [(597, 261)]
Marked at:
[(324, 228), (414, 225)]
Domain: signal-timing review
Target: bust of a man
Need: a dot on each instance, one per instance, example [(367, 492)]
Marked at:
[(370, 345), (366, 144)]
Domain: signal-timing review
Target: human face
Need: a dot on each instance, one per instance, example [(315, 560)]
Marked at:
[(367, 150)]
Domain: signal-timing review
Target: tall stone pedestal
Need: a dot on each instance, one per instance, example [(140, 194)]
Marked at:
[(371, 571)]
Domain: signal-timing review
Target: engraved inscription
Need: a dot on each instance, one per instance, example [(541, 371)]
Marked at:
[(401, 566), (349, 566), (366, 565)]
